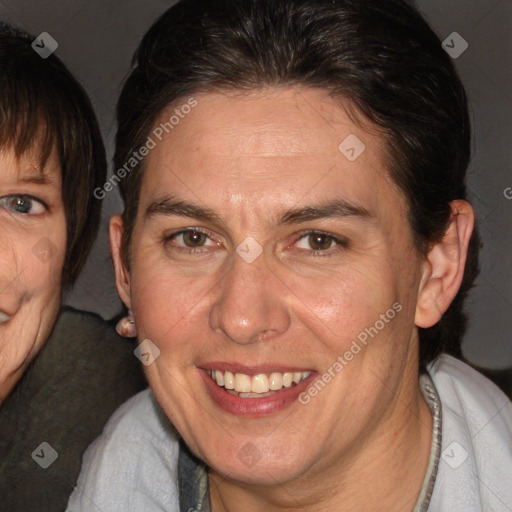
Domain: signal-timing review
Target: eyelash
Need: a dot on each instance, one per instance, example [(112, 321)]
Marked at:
[(341, 243), (25, 197)]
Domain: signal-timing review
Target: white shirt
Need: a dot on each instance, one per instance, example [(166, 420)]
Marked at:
[(133, 465)]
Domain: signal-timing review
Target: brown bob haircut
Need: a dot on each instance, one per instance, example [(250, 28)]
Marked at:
[(40, 100), (380, 55)]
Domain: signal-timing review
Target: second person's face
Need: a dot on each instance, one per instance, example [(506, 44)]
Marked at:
[(32, 251)]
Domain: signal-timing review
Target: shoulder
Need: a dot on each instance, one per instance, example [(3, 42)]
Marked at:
[(476, 452), (133, 464), (466, 393), (89, 367), (140, 417), (80, 377), (139, 428), (79, 336)]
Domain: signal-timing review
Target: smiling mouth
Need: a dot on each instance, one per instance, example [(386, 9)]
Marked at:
[(4, 317), (256, 386)]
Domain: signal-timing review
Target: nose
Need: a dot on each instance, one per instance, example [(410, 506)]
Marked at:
[(251, 303)]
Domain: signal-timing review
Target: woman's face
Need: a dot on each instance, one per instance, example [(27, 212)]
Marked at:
[(269, 243), (32, 251)]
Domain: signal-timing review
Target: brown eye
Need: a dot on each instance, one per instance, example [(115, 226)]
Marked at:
[(194, 238), (189, 241), (320, 242)]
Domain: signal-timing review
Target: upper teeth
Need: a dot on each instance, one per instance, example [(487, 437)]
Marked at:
[(260, 383), (3, 317)]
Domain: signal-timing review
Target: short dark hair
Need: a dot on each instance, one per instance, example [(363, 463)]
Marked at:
[(381, 56), (41, 96)]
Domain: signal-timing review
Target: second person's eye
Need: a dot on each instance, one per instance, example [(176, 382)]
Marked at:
[(23, 204)]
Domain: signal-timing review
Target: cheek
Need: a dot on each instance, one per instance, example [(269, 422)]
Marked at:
[(365, 314), (33, 265), (33, 261), (165, 305), (347, 300), (44, 261), (165, 294), (42, 283)]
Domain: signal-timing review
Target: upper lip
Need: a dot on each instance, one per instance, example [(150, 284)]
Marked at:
[(253, 369)]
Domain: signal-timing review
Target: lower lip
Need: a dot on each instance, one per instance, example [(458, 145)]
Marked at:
[(253, 407)]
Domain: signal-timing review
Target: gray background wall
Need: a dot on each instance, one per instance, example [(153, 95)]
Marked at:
[(97, 39)]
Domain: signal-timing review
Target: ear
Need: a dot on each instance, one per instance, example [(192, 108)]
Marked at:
[(443, 268), (121, 272)]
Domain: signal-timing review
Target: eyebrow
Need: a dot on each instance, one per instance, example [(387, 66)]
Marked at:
[(39, 178), (168, 206), (338, 208)]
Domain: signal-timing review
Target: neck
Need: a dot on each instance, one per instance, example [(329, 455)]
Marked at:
[(385, 472)]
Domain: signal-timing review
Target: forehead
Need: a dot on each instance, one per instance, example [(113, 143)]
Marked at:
[(273, 146), (31, 162), (267, 122), (29, 166)]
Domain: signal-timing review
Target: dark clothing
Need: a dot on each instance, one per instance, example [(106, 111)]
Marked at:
[(192, 482), (84, 372)]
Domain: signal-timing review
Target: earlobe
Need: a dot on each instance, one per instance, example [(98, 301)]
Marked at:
[(121, 272), (444, 266)]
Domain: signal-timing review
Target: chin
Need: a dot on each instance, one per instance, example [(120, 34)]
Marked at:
[(250, 468)]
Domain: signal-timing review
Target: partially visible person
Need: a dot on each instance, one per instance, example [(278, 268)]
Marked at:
[(296, 248), (51, 159)]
